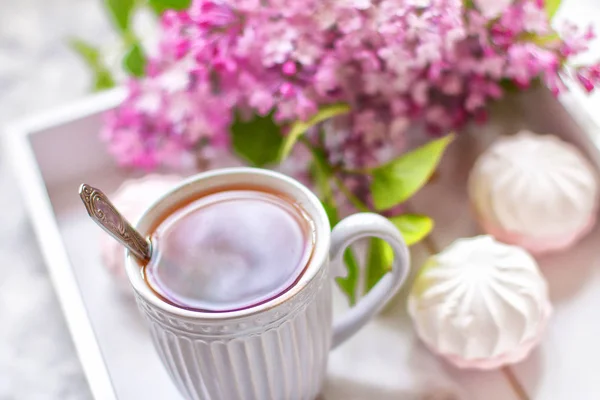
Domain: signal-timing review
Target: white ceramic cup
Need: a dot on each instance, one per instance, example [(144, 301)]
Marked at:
[(275, 350)]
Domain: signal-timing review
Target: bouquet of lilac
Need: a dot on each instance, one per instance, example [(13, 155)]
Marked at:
[(340, 81)]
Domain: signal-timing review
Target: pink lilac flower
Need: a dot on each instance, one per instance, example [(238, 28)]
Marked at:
[(492, 8), (160, 120), (397, 63), (588, 77)]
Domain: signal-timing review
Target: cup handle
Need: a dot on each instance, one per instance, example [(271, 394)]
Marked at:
[(356, 227)]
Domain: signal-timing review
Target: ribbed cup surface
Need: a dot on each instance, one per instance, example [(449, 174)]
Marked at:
[(279, 354)]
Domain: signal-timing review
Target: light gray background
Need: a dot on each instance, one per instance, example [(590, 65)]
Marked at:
[(37, 71)]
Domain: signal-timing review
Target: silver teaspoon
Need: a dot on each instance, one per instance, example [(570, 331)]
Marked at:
[(106, 215)]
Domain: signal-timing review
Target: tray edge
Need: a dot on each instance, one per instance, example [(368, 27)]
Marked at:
[(39, 208)]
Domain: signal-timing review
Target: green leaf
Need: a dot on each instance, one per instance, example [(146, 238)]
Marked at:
[(551, 7), (321, 173), (332, 212), (257, 140), (298, 128), (135, 61), (398, 180), (414, 227), (89, 53), (539, 40), (103, 81), (91, 56), (379, 262), (159, 6), (120, 11), (348, 283)]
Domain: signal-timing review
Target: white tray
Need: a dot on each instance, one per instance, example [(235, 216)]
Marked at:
[(55, 152)]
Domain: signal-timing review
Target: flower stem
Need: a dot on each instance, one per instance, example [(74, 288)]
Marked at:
[(356, 202), (357, 171), (302, 139)]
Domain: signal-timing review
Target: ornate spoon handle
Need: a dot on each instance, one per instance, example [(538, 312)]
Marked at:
[(106, 215)]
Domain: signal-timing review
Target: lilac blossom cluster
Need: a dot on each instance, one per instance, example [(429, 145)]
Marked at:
[(397, 63)]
